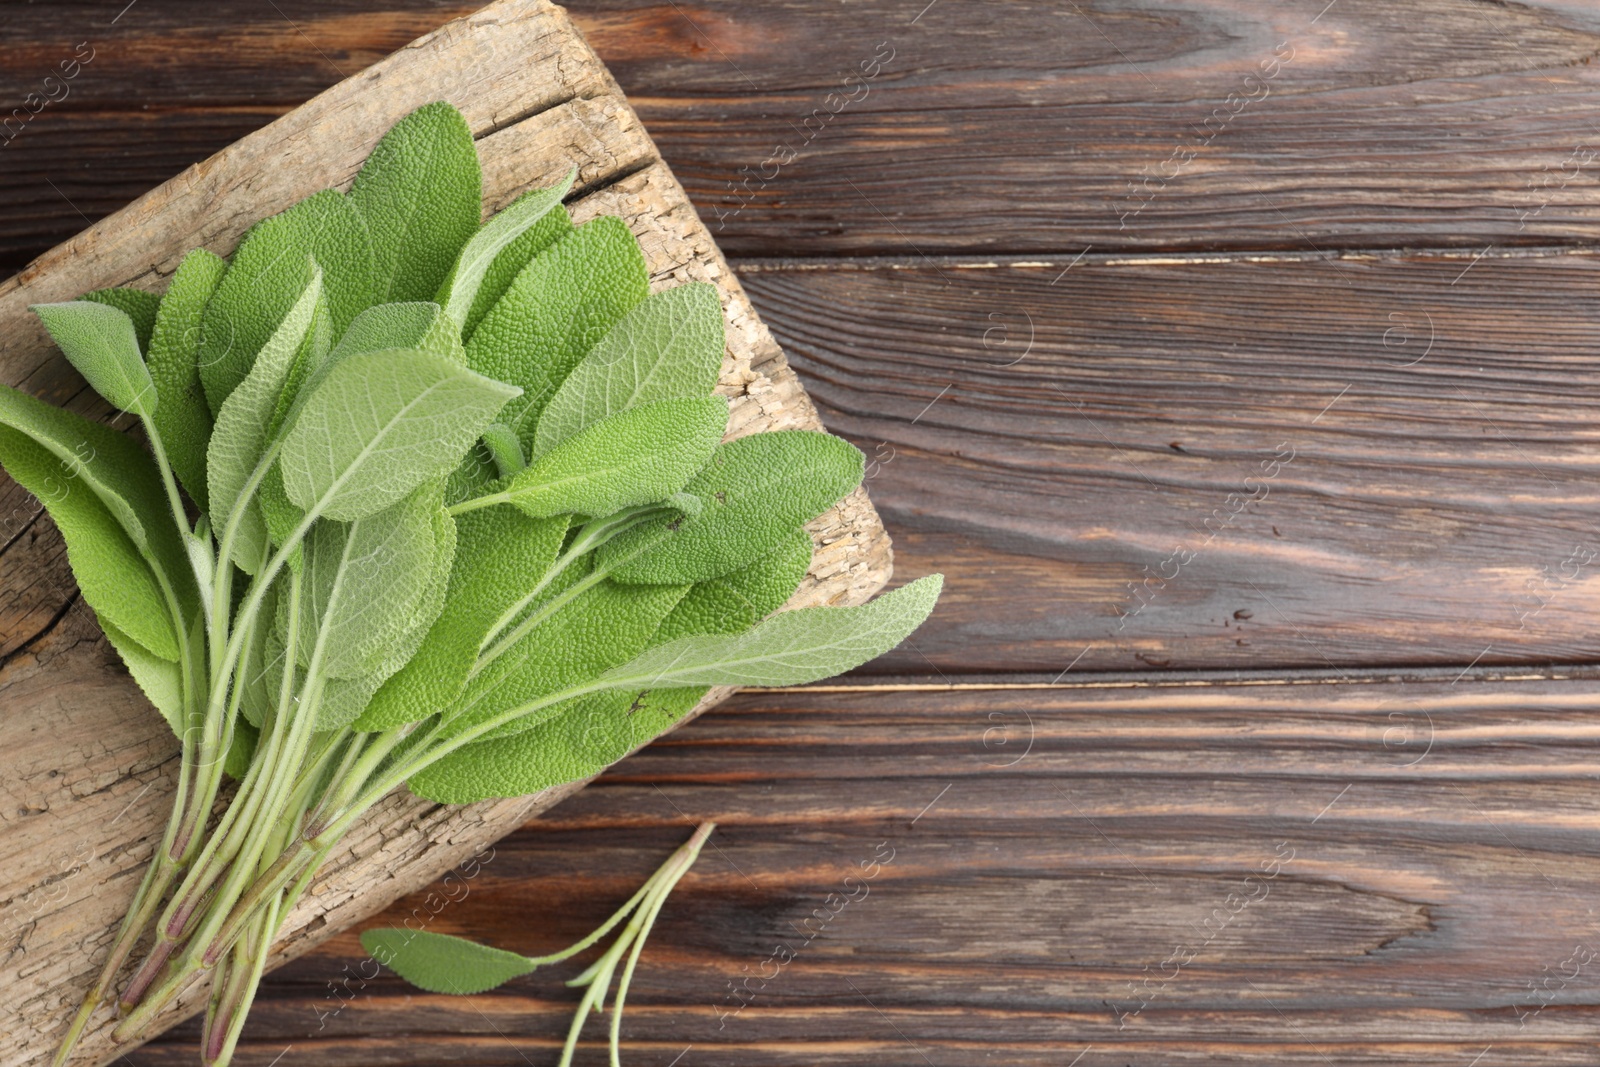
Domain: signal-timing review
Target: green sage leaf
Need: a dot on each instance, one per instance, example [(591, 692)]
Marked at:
[(459, 290), (112, 573), (669, 346), (791, 648), (269, 273), (137, 304), (241, 435), (756, 490), (99, 340), (182, 418), (637, 456), (160, 679), (559, 306), (440, 963), (421, 193), (381, 423), (508, 263)]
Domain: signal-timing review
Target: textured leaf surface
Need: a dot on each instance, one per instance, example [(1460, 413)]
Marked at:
[(790, 648), (269, 272), (755, 492), (669, 346), (364, 582), (159, 679), (508, 263), (240, 436), (500, 555), (182, 418), (559, 306), (381, 423), (600, 627), (637, 456), (421, 193), (440, 963), (744, 597), (137, 304), (458, 292), (112, 574), (100, 342)]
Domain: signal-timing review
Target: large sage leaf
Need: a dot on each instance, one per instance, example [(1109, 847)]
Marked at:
[(669, 346), (364, 581), (559, 306), (113, 575), (637, 456), (381, 423), (791, 648), (421, 193), (459, 291), (500, 555), (100, 342), (244, 425), (755, 492), (182, 418), (269, 272)]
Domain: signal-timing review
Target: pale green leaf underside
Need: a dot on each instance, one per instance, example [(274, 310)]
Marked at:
[(459, 290), (756, 490), (550, 228), (669, 346), (159, 679), (791, 648), (240, 436), (113, 576), (637, 456), (137, 304), (381, 423), (440, 963), (100, 341)]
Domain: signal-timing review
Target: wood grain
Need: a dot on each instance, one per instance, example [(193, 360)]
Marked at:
[(1050, 849), (87, 768), (1061, 121), (1086, 453)]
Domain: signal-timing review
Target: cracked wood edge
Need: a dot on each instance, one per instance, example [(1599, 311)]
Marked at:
[(86, 778)]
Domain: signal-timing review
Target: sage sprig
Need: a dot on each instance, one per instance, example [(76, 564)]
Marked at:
[(420, 502)]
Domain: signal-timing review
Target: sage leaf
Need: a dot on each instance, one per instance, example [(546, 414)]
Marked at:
[(241, 434), (509, 261), (500, 555), (564, 301), (754, 492), (268, 274), (181, 417), (460, 288), (741, 598), (440, 963), (669, 346), (99, 340), (381, 423), (637, 456), (138, 305), (158, 678), (421, 193), (113, 575), (602, 624), (504, 449), (364, 581), (791, 648), (115, 470), (420, 324)]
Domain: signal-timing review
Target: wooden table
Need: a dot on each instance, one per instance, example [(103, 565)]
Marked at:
[(1234, 360)]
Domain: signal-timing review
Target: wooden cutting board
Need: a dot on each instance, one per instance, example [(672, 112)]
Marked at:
[(86, 767)]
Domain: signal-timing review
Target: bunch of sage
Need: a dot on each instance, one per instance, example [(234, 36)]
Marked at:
[(424, 501)]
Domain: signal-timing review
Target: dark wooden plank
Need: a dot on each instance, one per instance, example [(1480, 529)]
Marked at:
[(1049, 436), (1436, 854), (1005, 127)]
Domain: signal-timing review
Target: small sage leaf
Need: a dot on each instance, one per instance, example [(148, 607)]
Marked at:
[(440, 963), (460, 289), (100, 342), (182, 418), (137, 304)]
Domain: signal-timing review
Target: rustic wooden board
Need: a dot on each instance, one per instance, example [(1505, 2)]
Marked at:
[(1013, 126), (85, 768), (1440, 844), (1048, 438)]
